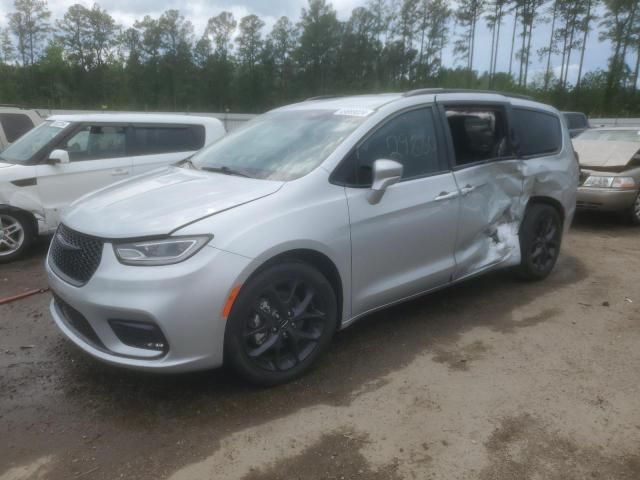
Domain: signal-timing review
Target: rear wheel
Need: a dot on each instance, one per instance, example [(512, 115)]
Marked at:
[(281, 322), (540, 238), (16, 235), (634, 211)]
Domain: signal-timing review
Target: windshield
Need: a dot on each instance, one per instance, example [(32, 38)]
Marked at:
[(27, 145), (280, 145), (611, 135)]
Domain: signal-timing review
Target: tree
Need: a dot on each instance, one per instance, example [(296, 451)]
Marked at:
[(467, 16), (282, 41), (249, 41), (221, 28), (6, 47), (618, 24), (497, 11), (318, 46), (102, 35), (73, 33), (30, 24)]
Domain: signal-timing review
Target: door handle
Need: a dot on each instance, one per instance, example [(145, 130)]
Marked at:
[(446, 196), (467, 189), (119, 171)]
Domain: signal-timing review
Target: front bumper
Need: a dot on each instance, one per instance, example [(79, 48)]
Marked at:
[(605, 199), (184, 301)]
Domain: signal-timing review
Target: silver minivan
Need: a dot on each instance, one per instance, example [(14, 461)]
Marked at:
[(257, 249)]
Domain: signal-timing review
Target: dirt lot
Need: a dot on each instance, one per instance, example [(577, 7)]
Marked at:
[(491, 379)]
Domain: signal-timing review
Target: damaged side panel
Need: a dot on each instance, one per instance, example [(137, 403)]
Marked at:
[(25, 198), (491, 210), (494, 207)]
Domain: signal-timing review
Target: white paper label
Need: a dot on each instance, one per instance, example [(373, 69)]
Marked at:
[(60, 124), (354, 112)]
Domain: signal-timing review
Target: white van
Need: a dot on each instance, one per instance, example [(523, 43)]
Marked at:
[(68, 156)]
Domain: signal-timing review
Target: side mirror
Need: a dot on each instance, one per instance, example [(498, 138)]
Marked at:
[(385, 174), (59, 156)]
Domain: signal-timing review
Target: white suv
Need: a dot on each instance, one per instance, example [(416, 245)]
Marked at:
[(68, 156)]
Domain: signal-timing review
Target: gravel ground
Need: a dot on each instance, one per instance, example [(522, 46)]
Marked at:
[(490, 379)]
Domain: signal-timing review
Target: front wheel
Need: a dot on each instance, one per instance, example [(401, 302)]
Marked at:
[(281, 322), (540, 238), (16, 234)]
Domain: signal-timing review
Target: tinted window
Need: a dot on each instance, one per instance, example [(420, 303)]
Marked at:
[(575, 120), (15, 125), (538, 132), (409, 138), (150, 139), (94, 142), (478, 134)]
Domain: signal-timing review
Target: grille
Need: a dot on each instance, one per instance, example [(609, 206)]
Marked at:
[(74, 256), (77, 322)]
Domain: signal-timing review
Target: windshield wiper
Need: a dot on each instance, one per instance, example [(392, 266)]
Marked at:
[(225, 170)]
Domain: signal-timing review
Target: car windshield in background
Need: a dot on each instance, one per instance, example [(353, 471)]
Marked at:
[(280, 145), (23, 149), (611, 135)]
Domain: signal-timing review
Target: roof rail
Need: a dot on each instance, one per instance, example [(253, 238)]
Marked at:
[(321, 97), (427, 91)]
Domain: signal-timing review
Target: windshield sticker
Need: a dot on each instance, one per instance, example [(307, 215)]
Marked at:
[(354, 112), (60, 124)]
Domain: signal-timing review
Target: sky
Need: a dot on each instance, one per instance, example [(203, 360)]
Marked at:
[(198, 12)]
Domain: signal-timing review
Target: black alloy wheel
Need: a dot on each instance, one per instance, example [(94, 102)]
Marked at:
[(540, 240), (281, 322)]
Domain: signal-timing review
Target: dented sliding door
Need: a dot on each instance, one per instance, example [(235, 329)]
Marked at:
[(490, 179)]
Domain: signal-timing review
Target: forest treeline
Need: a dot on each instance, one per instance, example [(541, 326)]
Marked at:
[(86, 60)]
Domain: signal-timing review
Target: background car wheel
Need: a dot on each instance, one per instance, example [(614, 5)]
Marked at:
[(540, 239), (282, 320), (634, 213), (16, 235)]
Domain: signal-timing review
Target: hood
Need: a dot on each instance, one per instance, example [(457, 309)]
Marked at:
[(597, 153), (4, 165), (162, 201)]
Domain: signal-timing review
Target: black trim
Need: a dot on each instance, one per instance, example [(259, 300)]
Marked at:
[(25, 182), (378, 126), (441, 91)]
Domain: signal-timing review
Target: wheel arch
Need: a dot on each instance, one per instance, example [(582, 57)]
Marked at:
[(316, 259), (25, 213), (544, 200)]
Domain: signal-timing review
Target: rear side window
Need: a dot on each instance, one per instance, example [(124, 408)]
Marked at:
[(576, 120), (538, 133), (149, 140), (410, 139), (15, 125)]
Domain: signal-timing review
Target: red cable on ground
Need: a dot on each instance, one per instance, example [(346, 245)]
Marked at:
[(20, 296)]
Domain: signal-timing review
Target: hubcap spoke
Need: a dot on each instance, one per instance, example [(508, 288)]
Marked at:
[(11, 234), (265, 347)]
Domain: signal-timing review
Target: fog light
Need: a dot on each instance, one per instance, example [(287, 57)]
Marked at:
[(136, 334)]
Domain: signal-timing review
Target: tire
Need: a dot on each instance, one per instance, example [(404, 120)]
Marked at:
[(16, 235), (282, 320), (540, 240), (634, 211)]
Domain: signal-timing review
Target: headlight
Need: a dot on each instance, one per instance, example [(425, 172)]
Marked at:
[(599, 181), (166, 251)]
